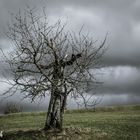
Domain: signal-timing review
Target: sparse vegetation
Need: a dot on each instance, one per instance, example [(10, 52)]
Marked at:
[(12, 108), (112, 123)]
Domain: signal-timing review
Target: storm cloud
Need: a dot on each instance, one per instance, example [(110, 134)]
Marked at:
[(119, 18)]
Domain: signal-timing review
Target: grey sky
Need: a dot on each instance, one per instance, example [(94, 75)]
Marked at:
[(120, 18)]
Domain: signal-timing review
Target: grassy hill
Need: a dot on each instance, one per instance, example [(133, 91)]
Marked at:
[(110, 123)]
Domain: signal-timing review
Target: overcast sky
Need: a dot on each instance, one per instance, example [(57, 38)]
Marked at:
[(119, 18)]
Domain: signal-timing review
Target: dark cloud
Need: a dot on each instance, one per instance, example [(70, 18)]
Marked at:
[(121, 19)]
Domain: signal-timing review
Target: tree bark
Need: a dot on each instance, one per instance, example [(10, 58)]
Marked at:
[(54, 120), (54, 115)]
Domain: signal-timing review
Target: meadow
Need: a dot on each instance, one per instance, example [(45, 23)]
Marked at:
[(109, 123)]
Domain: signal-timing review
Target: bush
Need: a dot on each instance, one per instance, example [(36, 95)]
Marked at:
[(12, 108)]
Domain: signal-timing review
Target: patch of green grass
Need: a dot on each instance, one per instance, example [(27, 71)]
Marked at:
[(112, 123)]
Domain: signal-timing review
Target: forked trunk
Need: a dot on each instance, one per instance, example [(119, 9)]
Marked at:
[(57, 103), (55, 112)]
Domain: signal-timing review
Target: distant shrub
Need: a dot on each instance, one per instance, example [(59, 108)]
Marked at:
[(12, 108)]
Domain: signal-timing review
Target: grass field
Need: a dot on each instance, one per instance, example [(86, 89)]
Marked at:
[(113, 123)]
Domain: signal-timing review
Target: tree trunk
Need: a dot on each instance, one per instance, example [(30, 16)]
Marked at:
[(55, 113), (57, 103)]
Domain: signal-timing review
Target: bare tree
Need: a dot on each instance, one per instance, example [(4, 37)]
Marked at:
[(50, 60)]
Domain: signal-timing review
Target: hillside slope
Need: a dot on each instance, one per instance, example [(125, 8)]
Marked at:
[(112, 123)]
